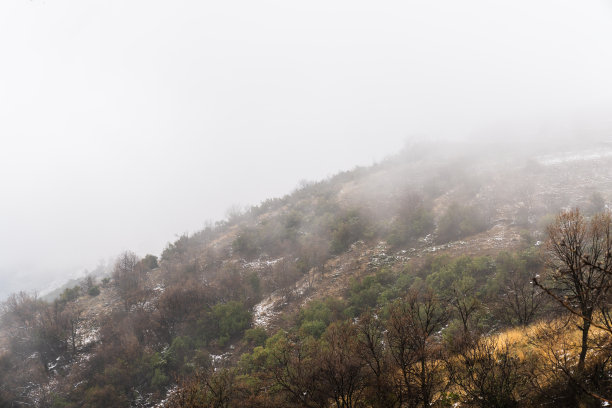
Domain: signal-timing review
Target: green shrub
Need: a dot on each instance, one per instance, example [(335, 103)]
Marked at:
[(176, 355), (149, 262), (460, 221), (345, 230), (316, 311), (231, 319), (159, 380), (412, 221), (177, 248), (93, 291), (314, 328), (256, 336), (246, 243), (70, 294)]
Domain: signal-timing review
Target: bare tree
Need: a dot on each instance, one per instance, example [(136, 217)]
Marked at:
[(579, 261), (128, 278), (341, 368), (71, 315), (521, 298), (488, 375), (297, 373), (413, 344), (371, 350), (577, 255)]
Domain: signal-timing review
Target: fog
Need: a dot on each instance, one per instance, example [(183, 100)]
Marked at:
[(124, 123)]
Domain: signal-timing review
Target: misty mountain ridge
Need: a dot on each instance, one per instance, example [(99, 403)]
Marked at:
[(331, 250)]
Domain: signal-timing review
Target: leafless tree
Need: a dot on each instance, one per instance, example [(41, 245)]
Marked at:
[(341, 368), (488, 375), (371, 350), (579, 278), (521, 298), (415, 349), (577, 254), (127, 277)]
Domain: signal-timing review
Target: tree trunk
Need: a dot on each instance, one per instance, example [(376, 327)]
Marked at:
[(586, 324)]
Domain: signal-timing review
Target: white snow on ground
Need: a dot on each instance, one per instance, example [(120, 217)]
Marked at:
[(88, 337), (263, 312), (549, 160), (260, 264), (169, 394), (217, 359)]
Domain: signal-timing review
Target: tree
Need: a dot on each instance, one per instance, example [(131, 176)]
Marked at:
[(460, 221), (579, 262), (518, 300), (149, 262), (346, 229), (415, 349), (128, 278), (412, 220), (35, 326), (71, 315), (341, 368), (382, 387), (488, 375), (296, 370)]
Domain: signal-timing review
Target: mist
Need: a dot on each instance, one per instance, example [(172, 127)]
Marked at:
[(123, 124)]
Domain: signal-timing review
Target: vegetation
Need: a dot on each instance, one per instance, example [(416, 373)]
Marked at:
[(460, 221), (376, 304)]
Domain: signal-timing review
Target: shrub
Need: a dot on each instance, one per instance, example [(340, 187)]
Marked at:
[(412, 220), (149, 262), (256, 336), (231, 318), (346, 230), (159, 380), (460, 221), (246, 243), (314, 328), (70, 294), (93, 291)]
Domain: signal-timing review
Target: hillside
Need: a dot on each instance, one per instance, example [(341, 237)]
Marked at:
[(302, 275)]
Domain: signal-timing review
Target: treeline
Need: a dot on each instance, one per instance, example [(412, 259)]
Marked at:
[(414, 338), (430, 335), (441, 342), (134, 352), (151, 334)]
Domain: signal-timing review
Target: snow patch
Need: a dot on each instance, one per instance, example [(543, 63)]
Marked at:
[(263, 312)]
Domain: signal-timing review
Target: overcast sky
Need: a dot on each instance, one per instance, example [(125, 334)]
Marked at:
[(125, 122)]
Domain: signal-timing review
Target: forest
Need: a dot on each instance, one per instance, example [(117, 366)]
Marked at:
[(415, 282)]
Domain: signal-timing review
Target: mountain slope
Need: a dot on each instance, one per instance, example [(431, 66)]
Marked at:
[(332, 249)]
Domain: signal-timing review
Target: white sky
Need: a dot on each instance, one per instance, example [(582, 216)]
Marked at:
[(125, 122)]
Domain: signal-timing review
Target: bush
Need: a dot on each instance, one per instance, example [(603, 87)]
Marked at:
[(256, 336), (149, 262), (460, 221), (246, 243), (314, 328), (159, 380), (231, 318), (70, 294), (176, 249), (412, 220), (178, 352), (345, 230), (93, 291)]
